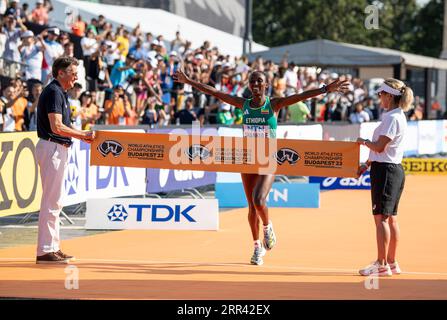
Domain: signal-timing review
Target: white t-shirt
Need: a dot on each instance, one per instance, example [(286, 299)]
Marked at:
[(32, 56), (394, 126), (8, 121), (53, 50), (91, 43), (291, 80)]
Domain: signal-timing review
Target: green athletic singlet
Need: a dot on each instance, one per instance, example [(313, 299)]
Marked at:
[(259, 122)]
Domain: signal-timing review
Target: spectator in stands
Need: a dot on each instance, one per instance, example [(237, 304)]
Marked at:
[(130, 111), (89, 46), (89, 111), (224, 116), (122, 39), (186, 115), (78, 27), (333, 111), (11, 53), (298, 113), (64, 38), (75, 105), (98, 77), (123, 71), (13, 9), (40, 13), (48, 5), (135, 35), (93, 26), (102, 24), (30, 116), (359, 115), (32, 54), (25, 15), (20, 104), (114, 108), (291, 77), (371, 109), (112, 54), (178, 44), (69, 49), (52, 51), (138, 50), (148, 114), (148, 41), (279, 84), (6, 102)]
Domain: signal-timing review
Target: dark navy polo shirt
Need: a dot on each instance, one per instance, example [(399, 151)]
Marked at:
[(52, 100)]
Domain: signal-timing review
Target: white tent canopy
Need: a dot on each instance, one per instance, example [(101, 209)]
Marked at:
[(156, 21), (322, 52)]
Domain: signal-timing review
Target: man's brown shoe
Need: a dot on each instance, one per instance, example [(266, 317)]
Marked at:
[(65, 256), (51, 258)]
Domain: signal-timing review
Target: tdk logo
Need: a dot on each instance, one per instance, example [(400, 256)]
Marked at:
[(158, 212), (117, 213)]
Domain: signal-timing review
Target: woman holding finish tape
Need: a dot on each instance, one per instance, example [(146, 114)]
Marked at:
[(260, 115), (387, 174)]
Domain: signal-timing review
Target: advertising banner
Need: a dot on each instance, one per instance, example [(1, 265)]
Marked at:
[(83, 181), (427, 140), (287, 195), (333, 183), (152, 214), (163, 180), (226, 154), (411, 139), (425, 166), (20, 185), (306, 132)]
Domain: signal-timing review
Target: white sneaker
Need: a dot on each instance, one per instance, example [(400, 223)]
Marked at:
[(395, 268), (256, 258), (377, 269)]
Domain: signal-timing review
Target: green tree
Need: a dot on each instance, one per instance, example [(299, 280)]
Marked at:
[(427, 36), (289, 21)]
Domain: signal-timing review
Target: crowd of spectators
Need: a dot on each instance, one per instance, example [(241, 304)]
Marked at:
[(126, 77)]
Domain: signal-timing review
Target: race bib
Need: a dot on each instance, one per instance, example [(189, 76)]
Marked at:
[(256, 131)]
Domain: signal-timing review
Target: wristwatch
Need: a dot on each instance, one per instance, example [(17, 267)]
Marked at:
[(324, 89)]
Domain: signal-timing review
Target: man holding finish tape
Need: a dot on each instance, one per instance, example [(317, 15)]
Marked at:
[(55, 132)]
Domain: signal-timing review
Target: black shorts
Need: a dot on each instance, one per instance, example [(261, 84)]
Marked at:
[(387, 184)]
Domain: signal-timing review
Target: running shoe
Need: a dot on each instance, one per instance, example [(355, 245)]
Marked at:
[(376, 269), (395, 268), (269, 237), (256, 258)]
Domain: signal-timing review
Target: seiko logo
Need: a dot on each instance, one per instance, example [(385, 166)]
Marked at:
[(110, 146), (197, 150), (286, 154)]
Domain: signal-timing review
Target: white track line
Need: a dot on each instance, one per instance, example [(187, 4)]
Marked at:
[(201, 264)]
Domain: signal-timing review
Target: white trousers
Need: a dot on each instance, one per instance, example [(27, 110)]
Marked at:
[(52, 159)]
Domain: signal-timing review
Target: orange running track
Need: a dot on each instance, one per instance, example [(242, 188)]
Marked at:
[(317, 256)]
